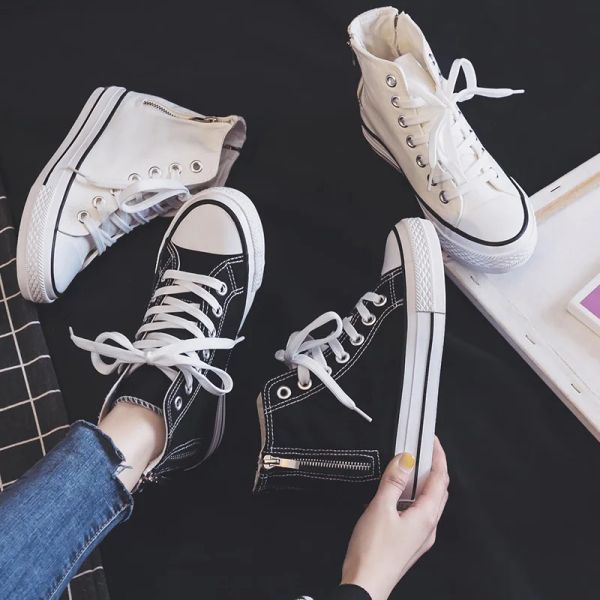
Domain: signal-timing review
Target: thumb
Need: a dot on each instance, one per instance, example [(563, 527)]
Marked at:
[(395, 478)]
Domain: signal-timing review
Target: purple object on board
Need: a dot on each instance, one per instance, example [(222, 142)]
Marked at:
[(592, 301)]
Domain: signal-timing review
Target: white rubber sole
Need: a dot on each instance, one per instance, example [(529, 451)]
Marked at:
[(491, 259), (44, 201), (426, 315)]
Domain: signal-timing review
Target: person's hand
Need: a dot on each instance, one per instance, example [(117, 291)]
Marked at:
[(386, 543)]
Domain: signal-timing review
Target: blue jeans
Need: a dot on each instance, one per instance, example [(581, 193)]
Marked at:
[(58, 512)]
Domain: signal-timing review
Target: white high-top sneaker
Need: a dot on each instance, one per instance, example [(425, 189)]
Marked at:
[(128, 158), (410, 117)]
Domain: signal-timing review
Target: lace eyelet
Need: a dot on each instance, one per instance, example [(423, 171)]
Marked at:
[(218, 312), (97, 201), (358, 340), (134, 177), (188, 390), (154, 172), (409, 142), (222, 290), (391, 81), (344, 358), (402, 122), (82, 215), (369, 320), (175, 169), (305, 386), (115, 192), (284, 392), (328, 370), (196, 166), (381, 302), (443, 198), (419, 161), (205, 354), (178, 402), (433, 183), (395, 101)]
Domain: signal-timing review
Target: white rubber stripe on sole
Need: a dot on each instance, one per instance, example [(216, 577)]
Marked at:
[(425, 305)]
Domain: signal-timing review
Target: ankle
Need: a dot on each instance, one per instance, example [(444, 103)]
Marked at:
[(139, 434)]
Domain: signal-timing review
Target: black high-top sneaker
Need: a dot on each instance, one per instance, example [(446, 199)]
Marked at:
[(361, 392), (209, 267)]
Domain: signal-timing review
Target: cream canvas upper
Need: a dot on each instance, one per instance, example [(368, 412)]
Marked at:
[(410, 115)]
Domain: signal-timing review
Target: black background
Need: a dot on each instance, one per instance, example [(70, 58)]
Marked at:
[(522, 519)]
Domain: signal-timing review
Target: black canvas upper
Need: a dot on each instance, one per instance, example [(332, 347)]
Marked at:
[(191, 417), (314, 425)]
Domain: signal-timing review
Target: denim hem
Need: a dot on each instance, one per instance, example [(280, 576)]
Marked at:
[(117, 458)]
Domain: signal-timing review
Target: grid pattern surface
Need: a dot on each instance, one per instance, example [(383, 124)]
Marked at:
[(33, 417)]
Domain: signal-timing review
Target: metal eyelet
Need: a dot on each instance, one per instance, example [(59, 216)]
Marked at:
[(196, 166), (433, 183), (344, 358), (82, 215), (188, 390), (134, 177), (97, 201), (328, 370), (391, 80), (369, 320), (205, 354), (358, 340), (284, 392), (222, 290), (305, 386), (443, 198), (395, 101), (115, 192), (381, 302), (154, 172), (175, 168), (419, 161), (178, 403), (218, 312), (402, 122), (409, 142)]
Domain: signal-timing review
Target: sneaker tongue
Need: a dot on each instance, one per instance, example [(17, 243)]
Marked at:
[(147, 385), (417, 78)]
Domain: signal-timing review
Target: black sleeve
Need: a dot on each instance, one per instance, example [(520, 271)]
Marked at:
[(348, 592)]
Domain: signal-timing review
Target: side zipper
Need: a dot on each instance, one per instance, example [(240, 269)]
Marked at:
[(171, 113), (270, 462)]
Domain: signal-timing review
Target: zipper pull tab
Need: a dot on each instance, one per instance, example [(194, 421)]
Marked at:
[(268, 462)]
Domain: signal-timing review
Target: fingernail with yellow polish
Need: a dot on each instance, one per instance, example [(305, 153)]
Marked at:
[(407, 462)]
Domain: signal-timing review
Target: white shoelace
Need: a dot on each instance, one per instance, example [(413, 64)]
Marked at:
[(165, 351), (138, 202), (307, 354), (440, 108)]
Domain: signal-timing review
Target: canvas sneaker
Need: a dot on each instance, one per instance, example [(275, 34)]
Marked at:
[(128, 158), (410, 116), (209, 267), (358, 390)]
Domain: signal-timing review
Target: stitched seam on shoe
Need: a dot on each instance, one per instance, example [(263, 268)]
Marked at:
[(140, 402)]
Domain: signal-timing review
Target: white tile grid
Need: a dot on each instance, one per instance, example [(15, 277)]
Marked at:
[(4, 300)]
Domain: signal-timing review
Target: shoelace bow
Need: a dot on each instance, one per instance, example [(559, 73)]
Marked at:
[(445, 115), (306, 354), (138, 202), (168, 353)]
